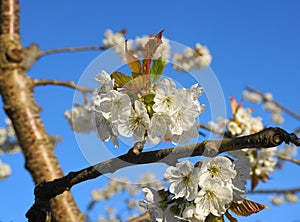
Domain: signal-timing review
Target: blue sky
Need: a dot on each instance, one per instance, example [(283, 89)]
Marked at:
[(253, 43)]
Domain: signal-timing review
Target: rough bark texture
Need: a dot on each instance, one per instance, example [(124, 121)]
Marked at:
[(266, 138), (16, 88)]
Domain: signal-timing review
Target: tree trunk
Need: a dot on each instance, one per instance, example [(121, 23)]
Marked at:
[(16, 88)]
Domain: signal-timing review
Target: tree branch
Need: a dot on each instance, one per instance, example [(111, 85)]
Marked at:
[(16, 89), (285, 109), (266, 138), (143, 217), (287, 158), (70, 84), (277, 191), (71, 49)]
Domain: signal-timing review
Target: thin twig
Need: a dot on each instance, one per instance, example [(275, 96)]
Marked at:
[(287, 158), (71, 49), (282, 107), (70, 84), (277, 191), (266, 138), (143, 217)]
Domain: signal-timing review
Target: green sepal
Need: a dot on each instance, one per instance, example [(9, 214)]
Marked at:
[(148, 101), (213, 218)]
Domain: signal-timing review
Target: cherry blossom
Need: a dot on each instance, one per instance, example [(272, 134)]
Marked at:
[(183, 179)]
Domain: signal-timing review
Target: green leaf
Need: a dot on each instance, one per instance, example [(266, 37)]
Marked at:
[(120, 79), (157, 69)]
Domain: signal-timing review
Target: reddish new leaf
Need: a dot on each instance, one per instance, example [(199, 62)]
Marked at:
[(254, 180), (149, 51), (230, 217), (133, 62), (234, 105), (246, 208)]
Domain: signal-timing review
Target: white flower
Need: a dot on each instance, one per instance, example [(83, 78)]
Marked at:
[(153, 205), (197, 58), (256, 124), (277, 118), (271, 106), (217, 168), (159, 126), (105, 81), (5, 170), (268, 97), (265, 161), (112, 39), (191, 214), (213, 198), (10, 128), (104, 128), (183, 179), (164, 97), (135, 122), (252, 96), (277, 200), (98, 195), (291, 197), (185, 113), (239, 182), (196, 91), (234, 128), (243, 115), (3, 136), (120, 103), (80, 119), (186, 136)]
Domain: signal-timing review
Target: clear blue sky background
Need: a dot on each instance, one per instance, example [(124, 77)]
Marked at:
[(253, 43)]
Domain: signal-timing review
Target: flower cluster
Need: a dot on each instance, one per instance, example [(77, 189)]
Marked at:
[(290, 197), (243, 123), (269, 104), (197, 58), (114, 40), (262, 161), (136, 46), (157, 113), (197, 192), (122, 187)]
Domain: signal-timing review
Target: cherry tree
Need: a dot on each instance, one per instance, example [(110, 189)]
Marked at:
[(146, 105)]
